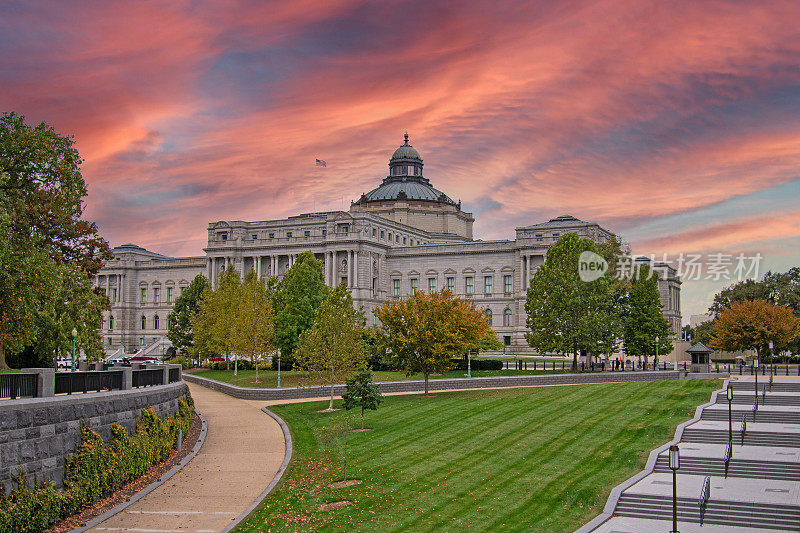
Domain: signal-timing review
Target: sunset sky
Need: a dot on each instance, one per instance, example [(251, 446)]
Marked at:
[(674, 124)]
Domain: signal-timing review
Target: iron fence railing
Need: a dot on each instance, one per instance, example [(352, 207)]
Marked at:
[(744, 427), (728, 453), (705, 494), (91, 381), (147, 378), (15, 386)]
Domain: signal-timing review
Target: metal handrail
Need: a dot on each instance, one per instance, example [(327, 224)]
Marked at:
[(705, 494), (755, 407), (728, 453), (764, 395), (744, 427)]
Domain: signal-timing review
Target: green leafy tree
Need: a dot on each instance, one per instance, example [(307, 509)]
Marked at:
[(424, 331), (44, 191), (333, 348), (644, 320), (362, 393), (565, 313), (253, 330), (298, 295), (186, 307)]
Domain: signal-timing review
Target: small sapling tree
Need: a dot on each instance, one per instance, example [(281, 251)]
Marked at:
[(362, 392)]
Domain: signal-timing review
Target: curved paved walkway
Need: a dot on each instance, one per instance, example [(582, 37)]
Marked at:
[(242, 452)]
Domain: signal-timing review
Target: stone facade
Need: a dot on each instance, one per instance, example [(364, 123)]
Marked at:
[(401, 235)]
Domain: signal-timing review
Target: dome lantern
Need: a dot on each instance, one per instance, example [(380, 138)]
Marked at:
[(405, 161)]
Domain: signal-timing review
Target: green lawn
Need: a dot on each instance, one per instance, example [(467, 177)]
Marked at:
[(526, 459), (292, 378)]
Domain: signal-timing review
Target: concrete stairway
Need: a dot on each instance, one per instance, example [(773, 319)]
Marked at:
[(760, 491)]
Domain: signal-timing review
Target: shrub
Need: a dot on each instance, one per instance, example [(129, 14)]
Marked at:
[(95, 469), (477, 364), (181, 360)]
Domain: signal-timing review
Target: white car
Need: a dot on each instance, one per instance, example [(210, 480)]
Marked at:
[(64, 363)]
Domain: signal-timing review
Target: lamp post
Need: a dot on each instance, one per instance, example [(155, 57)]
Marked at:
[(655, 363), (469, 365), (729, 395), (279, 368), (771, 363), (755, 368), (674, 465), (74, 334)]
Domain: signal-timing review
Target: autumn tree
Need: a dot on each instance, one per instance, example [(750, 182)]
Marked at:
[(361, 392), (186, 307), (332, 348), (424, 331), (299, 293), (253, 329), (566, 314), (213, 324), (752, 324)]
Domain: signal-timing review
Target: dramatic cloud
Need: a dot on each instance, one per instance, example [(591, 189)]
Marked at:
[(664, 121)]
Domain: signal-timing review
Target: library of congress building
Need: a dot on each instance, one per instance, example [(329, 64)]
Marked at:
[(402, 235)]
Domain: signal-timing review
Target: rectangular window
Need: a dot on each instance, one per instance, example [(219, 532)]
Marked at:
[(469, 285), (397, 238), (144, 295), (374, 286), (169, 294), (271, 235), (374, 232), (255, 236), (307, 233), (141, 341), (395, 287), (507, 284), (413, 284), (110, 342), (324, 232), (382, 234), (289, 234), (431, 284), (113, 295), (156, 296), (487, 284), (404, 240), (222, 236), (451, 284)]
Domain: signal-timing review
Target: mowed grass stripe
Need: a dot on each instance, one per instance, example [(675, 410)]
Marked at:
[(528, 459)]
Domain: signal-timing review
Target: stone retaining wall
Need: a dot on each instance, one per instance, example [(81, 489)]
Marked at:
[(435, 384), (37, 434)]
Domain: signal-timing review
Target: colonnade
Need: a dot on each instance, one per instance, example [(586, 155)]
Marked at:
[(528, 266), (118, 285), (267, 265)]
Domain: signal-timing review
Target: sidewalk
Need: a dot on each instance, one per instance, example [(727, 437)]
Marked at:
[(242, 452)]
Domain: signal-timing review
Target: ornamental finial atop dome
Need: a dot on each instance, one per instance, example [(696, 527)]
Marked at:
[(405, 136)]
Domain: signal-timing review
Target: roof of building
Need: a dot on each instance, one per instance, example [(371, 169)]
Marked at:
[(700, 348), (559, 222), (406, 187), (133, 248)]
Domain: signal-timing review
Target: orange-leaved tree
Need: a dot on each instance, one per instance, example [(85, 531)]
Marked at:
[(423, 331), (752, 324)]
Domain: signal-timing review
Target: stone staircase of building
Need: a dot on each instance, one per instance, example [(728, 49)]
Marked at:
[(758, 491), (725, 513)]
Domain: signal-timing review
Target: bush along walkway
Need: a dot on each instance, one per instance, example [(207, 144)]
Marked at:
[(242, 453), (95, 469)]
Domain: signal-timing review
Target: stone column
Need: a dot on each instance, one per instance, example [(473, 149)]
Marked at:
[(355, 268), (45, 382), (258, 267)]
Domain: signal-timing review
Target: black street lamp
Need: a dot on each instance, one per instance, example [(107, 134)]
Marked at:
[(755, 368), (771, 363), (674, 465), (729, 395)]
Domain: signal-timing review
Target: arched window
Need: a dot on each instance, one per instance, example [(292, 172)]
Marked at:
[(488, 315), (110, 322), (155, 322), (507, 317), (144, 322)]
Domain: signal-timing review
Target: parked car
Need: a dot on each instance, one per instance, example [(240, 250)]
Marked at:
[(62, 363)]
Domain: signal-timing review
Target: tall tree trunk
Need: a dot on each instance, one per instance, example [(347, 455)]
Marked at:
[(3, 364), (426, 382), (575, 360), (362, 417), (330, 406)]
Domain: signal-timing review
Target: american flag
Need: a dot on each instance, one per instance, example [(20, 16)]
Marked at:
[(321, 163)]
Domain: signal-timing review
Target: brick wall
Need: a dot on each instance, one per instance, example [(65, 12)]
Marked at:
[(37, 434)]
